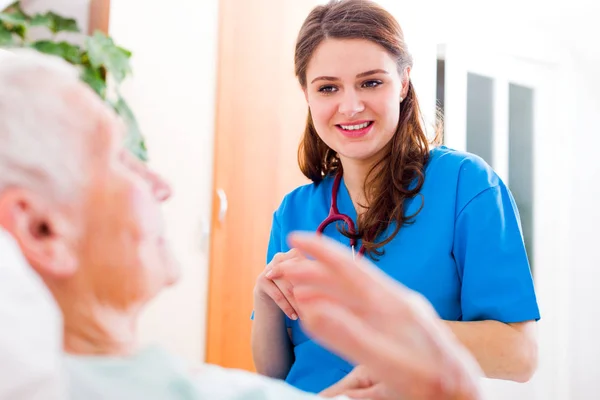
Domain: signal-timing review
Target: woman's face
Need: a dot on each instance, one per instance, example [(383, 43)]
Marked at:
[(353, 91)]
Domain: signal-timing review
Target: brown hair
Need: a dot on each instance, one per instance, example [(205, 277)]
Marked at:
[(399, 174)]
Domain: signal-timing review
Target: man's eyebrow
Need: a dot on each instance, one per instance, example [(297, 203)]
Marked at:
[(361, 75)]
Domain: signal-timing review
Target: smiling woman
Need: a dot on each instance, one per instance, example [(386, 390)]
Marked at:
[(437, 220)]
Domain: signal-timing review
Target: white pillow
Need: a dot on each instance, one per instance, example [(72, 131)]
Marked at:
[(30, 331)]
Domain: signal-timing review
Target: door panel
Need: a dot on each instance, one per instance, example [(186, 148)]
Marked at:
[(505, 109), (261, 113)]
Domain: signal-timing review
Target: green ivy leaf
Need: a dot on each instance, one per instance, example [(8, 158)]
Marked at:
[(16, 18), (68, 51), (134, 140), (6, 37), (101, 57), (102, 51), (41, 20), (126, 52), (15, 22), (93, 77), (21, 31), (56, 23)]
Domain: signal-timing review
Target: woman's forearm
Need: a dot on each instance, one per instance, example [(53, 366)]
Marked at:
[(271, 347), (504, 351)]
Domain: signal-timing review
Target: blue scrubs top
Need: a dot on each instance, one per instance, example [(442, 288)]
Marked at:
[(464, 252)]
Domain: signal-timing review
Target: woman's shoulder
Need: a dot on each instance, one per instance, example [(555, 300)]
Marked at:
[(468, 173), (303, 196), (467, 168), (462, 160)]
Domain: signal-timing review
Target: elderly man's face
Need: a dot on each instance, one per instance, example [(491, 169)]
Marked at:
[(123, 255), (104, 240)]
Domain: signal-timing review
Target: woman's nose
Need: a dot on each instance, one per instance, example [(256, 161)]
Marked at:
[(351, 104)]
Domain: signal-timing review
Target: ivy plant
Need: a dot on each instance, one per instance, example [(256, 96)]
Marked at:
[(98, 60)]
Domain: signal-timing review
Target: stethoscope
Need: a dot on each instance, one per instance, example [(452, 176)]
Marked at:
[(334, 216)]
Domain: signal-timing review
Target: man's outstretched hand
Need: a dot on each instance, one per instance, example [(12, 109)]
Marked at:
[(357, 311)]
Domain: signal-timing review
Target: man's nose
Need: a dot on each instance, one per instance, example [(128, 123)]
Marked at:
[(351, 104)]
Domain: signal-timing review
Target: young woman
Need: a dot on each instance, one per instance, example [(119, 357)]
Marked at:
[(437, 220)]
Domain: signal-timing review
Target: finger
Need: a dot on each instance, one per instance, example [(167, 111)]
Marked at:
[(338, 259), (338, 329), (306, 295), (279, 298), (316, 282), (293, 266), (375, 306), (347, 383), (347, 335), (311, 279), (323, 249), (357, 379), (282, 256), (287, 290), (272, 269), (376, 392)]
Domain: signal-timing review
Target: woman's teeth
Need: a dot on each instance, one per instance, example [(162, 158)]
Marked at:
[(355, 127)]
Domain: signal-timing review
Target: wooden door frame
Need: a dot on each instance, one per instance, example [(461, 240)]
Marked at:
[(257, 132), (99, 17)]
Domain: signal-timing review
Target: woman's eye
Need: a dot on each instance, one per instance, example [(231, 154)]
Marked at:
[(371, 84), (327, 89)]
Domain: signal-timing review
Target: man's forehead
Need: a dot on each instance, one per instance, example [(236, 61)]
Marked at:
[(109, 133), (114, 126)]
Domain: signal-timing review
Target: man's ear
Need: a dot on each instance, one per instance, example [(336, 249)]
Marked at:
[(43, 232)]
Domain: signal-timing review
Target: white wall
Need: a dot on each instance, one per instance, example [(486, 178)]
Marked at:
[(585, 216), (173, 95)]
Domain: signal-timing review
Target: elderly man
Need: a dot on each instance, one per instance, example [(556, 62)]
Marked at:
[(86, 217)]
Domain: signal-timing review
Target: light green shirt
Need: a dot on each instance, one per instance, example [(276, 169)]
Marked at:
[(155, 375)]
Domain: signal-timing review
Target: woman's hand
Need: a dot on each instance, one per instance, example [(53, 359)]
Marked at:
[(272, 347), (277, 292)]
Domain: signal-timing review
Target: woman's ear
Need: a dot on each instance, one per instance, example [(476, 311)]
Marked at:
[(42, 231), (405, 83)]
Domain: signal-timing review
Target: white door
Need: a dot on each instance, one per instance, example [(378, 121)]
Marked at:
[(506, 109)]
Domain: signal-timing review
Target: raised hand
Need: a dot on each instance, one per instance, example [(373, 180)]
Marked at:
[(354, 309)]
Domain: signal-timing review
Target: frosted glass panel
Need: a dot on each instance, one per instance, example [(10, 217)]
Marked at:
[(480, 116), (440, 92), (520, 172)]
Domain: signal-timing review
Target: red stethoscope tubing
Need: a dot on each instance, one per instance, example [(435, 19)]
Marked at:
[(334, 215)]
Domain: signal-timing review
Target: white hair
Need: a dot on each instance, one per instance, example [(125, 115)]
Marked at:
[(40, 118)]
